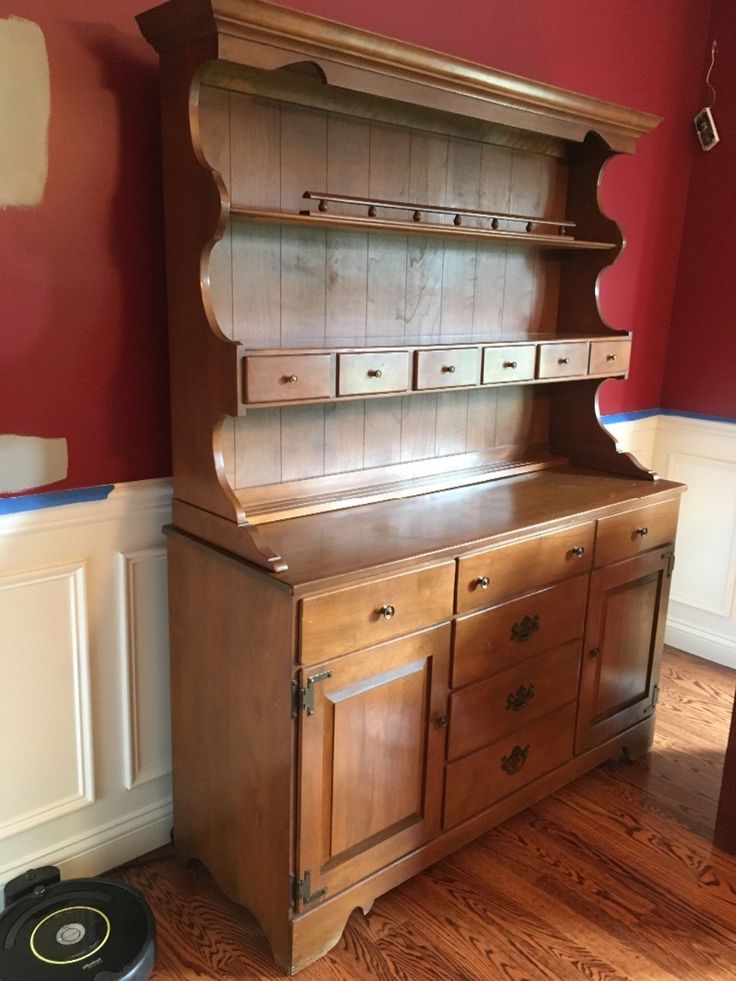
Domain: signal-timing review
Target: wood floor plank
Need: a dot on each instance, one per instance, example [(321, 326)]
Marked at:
[(613, 878)]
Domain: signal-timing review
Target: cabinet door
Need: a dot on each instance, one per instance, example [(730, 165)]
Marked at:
[(371, 758), (623, 645)]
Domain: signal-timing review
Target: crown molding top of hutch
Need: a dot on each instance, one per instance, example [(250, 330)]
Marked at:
[(267, 36)]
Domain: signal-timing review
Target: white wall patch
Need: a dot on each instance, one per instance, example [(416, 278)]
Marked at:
[(28, 462), (25, 102)]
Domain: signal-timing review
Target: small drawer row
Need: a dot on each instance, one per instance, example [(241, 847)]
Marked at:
[(297, 377), (371, 612)]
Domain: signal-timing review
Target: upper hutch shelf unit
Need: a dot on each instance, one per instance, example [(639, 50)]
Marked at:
[(414, 586)]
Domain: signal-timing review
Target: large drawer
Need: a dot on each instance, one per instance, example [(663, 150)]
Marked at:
[(358, 616), (497, 639), (283, 377), (483, 778), (623, 535), (494, 707), (521, 566)]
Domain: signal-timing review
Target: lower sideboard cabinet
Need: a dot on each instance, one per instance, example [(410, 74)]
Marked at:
[(330, 742)]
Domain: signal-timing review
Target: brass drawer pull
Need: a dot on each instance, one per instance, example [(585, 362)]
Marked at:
[(375, 373), (483, 582), (387, 612), (520, 698), (449, 368), (641, 532), (512, 763), (291, 379), (578, 551), (511, 364), (610, 357), (563, 361), (525, 629), (441, 722), (594, 652)]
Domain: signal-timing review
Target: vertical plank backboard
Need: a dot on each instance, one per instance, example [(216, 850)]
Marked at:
[(256, 163), (344, 437), (494, 194), (522, 415), (418, 427), (303, 251), (521, 263), (258, 446), (348, 145), (462, 190), (302, 442), (382, 433), (389, 159), (452, 423), (481, 420), (427, 181)]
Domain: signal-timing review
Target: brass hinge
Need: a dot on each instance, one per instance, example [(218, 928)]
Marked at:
[(670, 564), (655, 696), (301, 890), (302, 699)]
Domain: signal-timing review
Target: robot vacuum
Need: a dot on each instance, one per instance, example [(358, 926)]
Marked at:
[(90, 929)]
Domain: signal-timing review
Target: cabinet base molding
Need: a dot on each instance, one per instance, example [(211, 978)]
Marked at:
[(315, 932)]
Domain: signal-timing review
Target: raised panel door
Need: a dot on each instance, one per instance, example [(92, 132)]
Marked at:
[(371, 757), (623, 645)]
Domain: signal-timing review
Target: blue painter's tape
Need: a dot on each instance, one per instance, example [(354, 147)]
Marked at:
[(54, 499), (647, 413), (628, 416)]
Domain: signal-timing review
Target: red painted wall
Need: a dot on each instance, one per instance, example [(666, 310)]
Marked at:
[(701, 363), (82, 314)]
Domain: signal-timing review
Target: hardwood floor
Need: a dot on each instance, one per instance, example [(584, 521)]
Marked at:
[(612, 878)]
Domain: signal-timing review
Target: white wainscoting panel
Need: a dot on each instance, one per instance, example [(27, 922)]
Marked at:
[(84, 701), (46, 749), (702, 454), (145, 666)]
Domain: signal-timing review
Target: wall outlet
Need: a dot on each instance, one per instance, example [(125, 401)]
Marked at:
[(705, 127)]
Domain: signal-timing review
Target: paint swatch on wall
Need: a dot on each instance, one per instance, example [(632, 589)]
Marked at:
[(25, 102)]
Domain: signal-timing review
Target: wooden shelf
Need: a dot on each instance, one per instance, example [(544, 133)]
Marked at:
[(351, 222), (274, 503)]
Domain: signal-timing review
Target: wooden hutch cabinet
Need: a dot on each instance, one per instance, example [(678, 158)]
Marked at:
[(414, 586)]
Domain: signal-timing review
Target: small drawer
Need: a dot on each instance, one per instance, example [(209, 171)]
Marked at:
[(448, 368), (562, 360), (609, 357), (508, 364), (495, 640), (485, 777), (283, 377), (627, 534), (509, 570), (369, 374), (494, 707), (359, 616)]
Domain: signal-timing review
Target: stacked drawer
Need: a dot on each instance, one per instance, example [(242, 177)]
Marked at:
[(515, 666), (343, 374)]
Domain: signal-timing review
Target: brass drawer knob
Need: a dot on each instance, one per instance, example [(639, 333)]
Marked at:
[(511, 364), (594, 652), (441, 722), (525, 629), (387, 612), (291, 379), (610, 357), (563, 361), (449, 368), (375, 373), (483, 582), (578, 551), (521, 697), (512, 763), (641, 532)]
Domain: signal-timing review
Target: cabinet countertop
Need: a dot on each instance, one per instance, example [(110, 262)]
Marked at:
[(324, 549)]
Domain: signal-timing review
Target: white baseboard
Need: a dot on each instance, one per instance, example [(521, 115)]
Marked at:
[(694, 640)]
